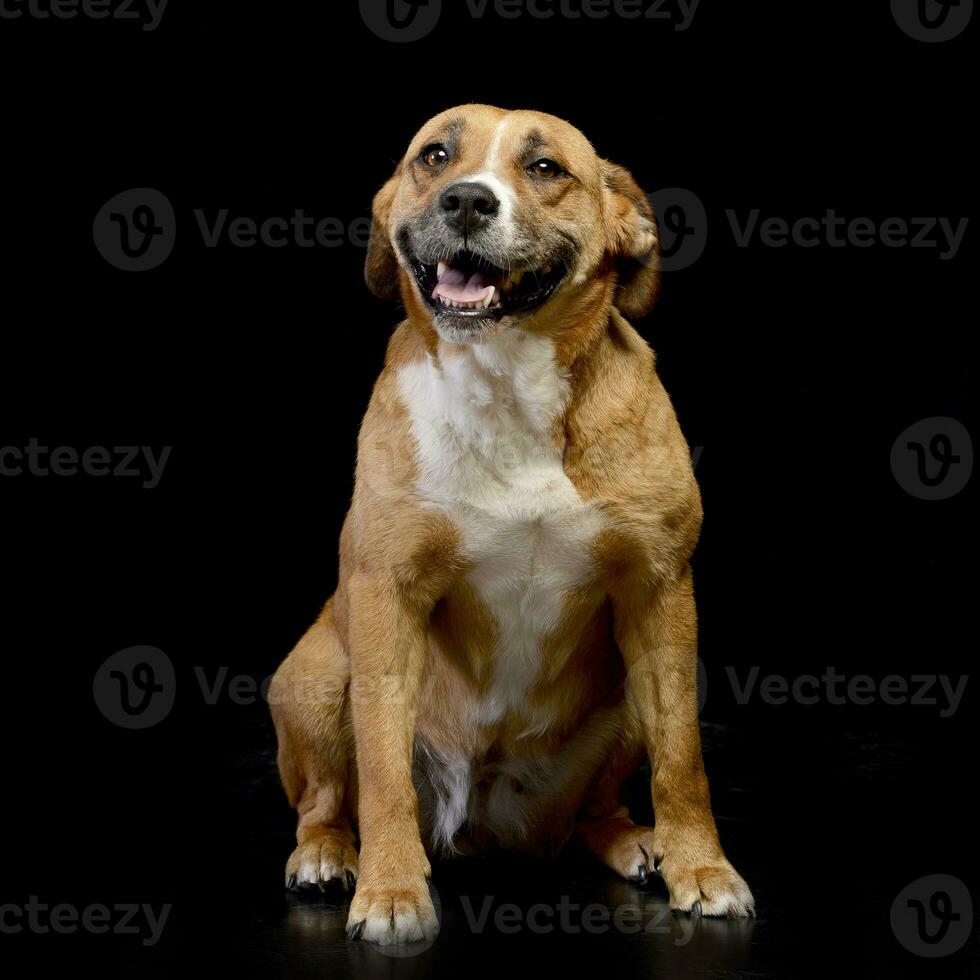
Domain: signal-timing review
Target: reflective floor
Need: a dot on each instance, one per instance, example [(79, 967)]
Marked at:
[(856, 834), (818, 821)]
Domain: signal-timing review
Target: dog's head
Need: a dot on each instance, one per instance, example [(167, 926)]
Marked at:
[(493, 217)]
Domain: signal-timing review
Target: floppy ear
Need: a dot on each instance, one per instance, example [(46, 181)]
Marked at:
[(381, 265), (631, 232)]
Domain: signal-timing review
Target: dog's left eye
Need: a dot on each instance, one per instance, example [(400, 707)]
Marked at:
[(546, 168)]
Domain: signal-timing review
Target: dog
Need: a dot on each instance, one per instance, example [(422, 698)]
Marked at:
[(514, 624)]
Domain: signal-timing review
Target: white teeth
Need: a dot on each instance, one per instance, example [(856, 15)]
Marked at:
[(485, 302), (443, 267)]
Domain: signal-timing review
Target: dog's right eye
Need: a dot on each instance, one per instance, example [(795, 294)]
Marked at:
[(435, 155)]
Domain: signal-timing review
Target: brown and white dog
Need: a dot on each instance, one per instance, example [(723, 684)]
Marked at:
[(514, 624)]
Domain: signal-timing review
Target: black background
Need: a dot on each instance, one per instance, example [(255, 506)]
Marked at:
[(794, 370)]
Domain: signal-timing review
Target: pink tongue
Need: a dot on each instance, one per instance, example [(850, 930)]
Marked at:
[(454, 285)]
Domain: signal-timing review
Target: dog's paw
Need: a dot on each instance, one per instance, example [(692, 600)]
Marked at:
[(316, 863), (699, 877), (393, 913), (715, 889), (622, 846)]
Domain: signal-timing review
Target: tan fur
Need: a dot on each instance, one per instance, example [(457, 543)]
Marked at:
[(405, 648)]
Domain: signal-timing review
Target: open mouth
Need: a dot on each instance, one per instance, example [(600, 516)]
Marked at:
[(468, 285)]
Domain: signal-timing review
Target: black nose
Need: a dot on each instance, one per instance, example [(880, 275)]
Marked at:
[(468, 205)]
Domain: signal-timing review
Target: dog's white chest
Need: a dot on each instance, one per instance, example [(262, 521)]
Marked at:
[(484, 426)]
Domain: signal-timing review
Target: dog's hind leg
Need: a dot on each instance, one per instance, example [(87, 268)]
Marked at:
[(311, 710), (604, 827)]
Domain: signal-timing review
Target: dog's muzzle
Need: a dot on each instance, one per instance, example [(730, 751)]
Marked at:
[(467, 284)]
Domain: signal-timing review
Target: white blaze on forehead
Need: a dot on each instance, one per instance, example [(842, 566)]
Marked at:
[(495, 152), (491, 175)]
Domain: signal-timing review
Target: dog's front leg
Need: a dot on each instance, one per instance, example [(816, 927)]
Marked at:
[(388, 643), (657, 634)]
